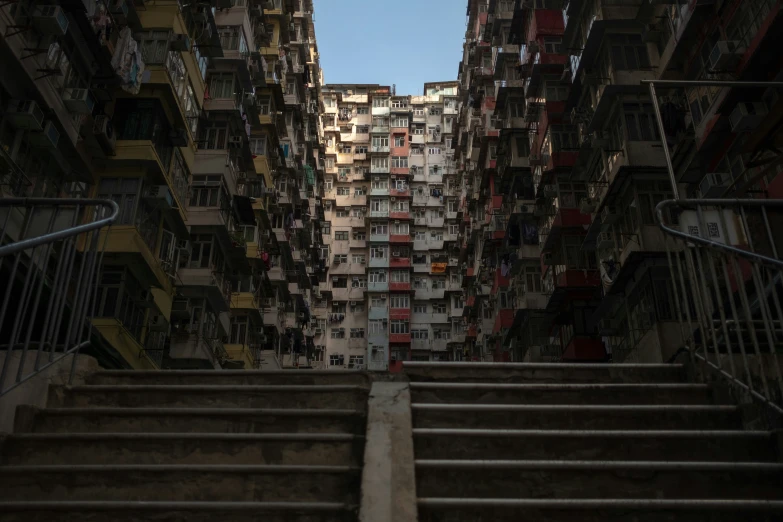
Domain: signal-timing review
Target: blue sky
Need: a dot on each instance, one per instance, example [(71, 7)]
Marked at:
[(403, 42)]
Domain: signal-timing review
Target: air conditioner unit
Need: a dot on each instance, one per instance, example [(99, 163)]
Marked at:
[(376, 178), (726, 55), (79, 101), (714, 184), (104, 133), (158, 323), (50, 20), (393, 199), (235, 141), (605, 240), (180, 42), (609, 215), (747, 116), (25, 114), (180, 308), (48, 138), (159, 194)]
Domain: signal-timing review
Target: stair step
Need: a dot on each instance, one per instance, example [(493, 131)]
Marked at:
[(560, 416), (130, 511), (553, 479), (209, 396), (441, 509), (182, 448), (749, 446), (182, 483), (189, 420), (232, 377), (540, 393), (543, 372)]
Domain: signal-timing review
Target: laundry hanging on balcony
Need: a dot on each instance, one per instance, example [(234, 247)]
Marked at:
[(438, 268), (309, 174), (127, 62)]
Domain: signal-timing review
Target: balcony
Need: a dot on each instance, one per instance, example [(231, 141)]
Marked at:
[(380, 129), (381, 111), (400, 338), (379, 238), (400, 215), (379, 169), (400, 239), (399, 313), (400, 262), (380, 149), (378, 312), (199, 351), (564, 218), (400, 287), (378, 287), (400, 193)]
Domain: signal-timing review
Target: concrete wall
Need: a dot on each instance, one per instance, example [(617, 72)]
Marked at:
[(34, 390)]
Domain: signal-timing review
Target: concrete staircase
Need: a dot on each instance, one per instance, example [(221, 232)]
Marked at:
[(190, 445), (588, 443)]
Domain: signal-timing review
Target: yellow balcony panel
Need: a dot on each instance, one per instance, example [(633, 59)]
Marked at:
[(138, 153), (124, 244), (252, 250), (244, 301), (163, 17), (115, 334), (261, 164), (265, 119), (240, 354), (258, 204)]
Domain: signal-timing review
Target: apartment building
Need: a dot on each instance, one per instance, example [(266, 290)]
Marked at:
[(389, 169), (561, 164), (201, 121)]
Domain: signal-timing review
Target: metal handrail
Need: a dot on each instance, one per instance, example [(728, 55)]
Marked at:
[(728, 297), (64, 260)]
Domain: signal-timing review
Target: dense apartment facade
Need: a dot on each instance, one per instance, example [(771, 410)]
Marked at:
[(392, 292), (561, 165), (201, 121)]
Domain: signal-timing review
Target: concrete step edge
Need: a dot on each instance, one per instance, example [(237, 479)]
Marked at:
[(213, 373), (574, 407), (604, 503), (232, 437), (213, 388), (597, 465), (96, 505), (522, 366), (300, 412), (550, 387), (169, 468), (674, 434)]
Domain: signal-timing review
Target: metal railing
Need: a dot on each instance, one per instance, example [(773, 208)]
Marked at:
[(50, 258), (727, 283)]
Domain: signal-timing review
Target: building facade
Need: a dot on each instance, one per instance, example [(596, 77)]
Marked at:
[(390, 200), (561, 164), (201, 121)]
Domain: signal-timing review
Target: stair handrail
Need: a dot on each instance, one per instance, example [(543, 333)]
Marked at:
[(716, 284), (66, 262)]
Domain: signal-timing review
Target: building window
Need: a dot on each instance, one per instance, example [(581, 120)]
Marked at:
[(377, 326), (380, 229), (378, 276), (399, 162), (340, 258), (399, 121), (381, 163), (380, 142), (357, 333), (433, 151), (400, 276), (379, 253), (208, 191), (356, 361), (362, 109), (337, 359), (400, 228), (439, 308), (358, 259), (400, 327), (359, 282), (341, 235), (258, 146), (154, 46), (380, 102), (399, 140), (553, 45), (221, 86), (640, 122), (629, 52), (436, 111), (421, 334), (420, 308)]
